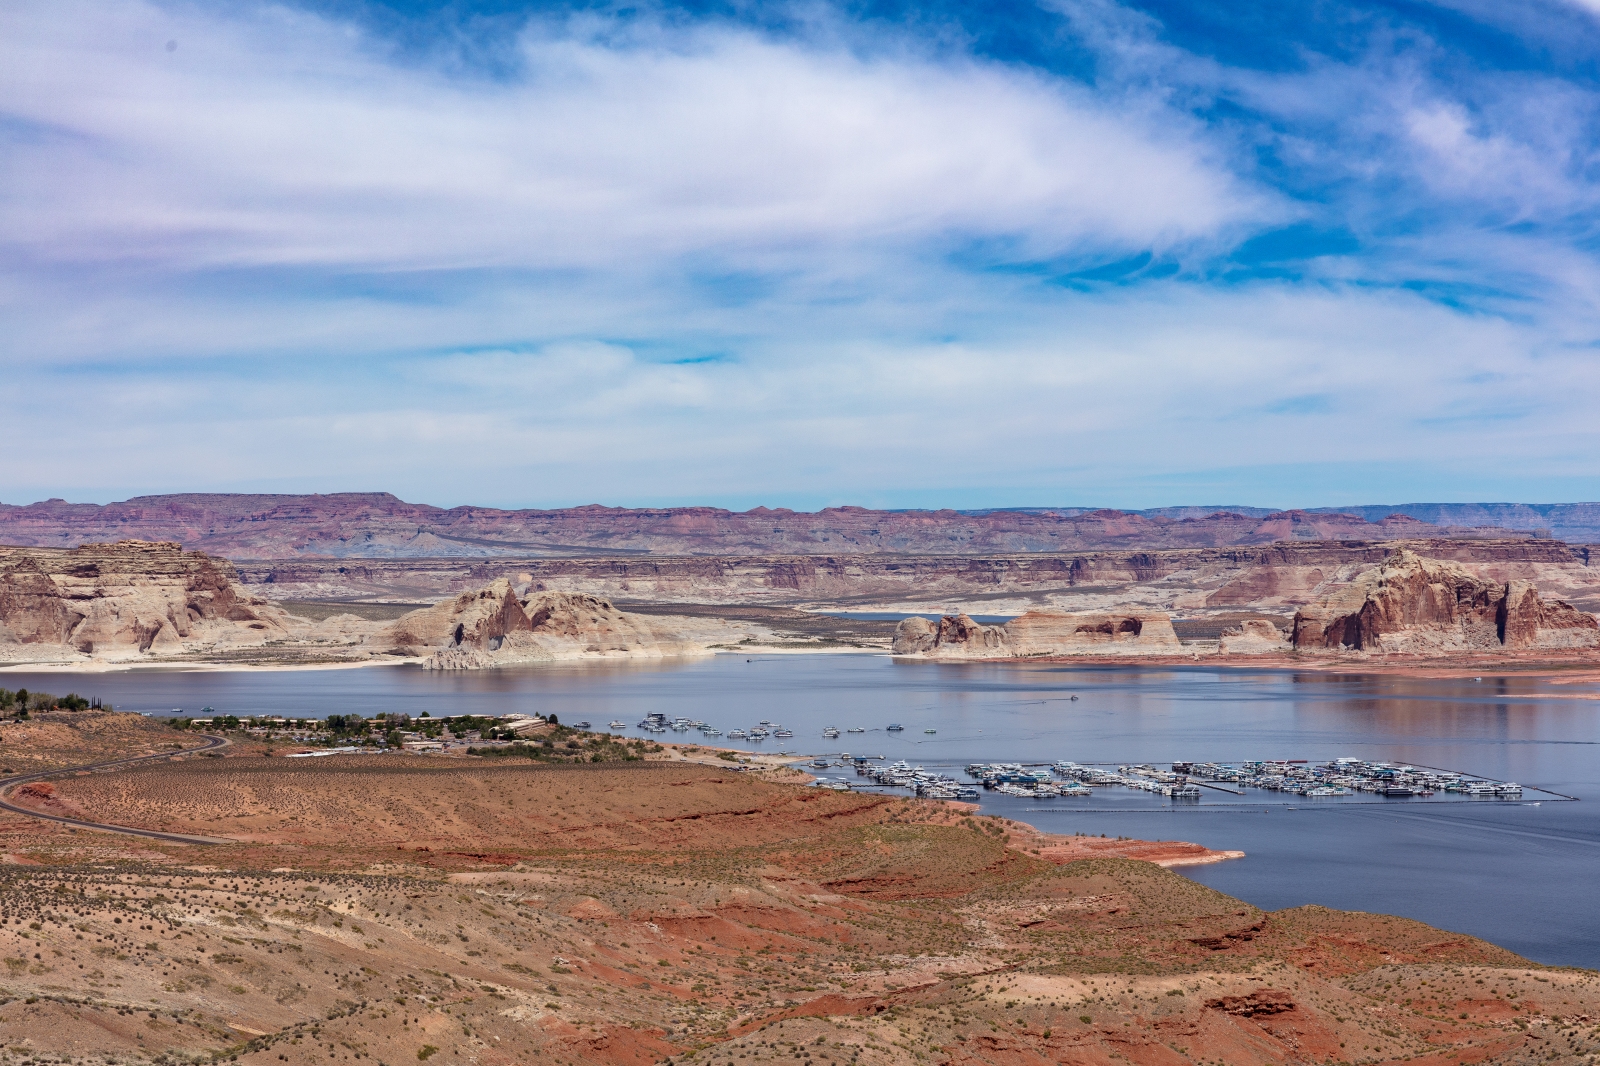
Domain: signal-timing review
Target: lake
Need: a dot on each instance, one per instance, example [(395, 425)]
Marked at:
[(1521, 874)]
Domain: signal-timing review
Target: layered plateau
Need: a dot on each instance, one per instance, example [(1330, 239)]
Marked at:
[(1206, 581), (380, 525)]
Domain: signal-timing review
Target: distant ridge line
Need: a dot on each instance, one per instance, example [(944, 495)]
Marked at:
[(377, 525)]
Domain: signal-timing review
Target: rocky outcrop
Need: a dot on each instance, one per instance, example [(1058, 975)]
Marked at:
[(492, 626), (1416, 605), (480, 619), (380, 525), (1039, 633), (1254, 636), (128, 599)]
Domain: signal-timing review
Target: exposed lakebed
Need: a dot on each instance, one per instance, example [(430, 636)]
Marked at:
[(1518, 873)]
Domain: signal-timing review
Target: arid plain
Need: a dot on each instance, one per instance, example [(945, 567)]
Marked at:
[(401, 908)]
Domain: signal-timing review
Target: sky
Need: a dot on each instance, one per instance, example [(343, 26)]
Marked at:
[(1073, 252)]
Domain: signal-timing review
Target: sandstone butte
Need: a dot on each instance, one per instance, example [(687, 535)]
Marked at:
[(1413, 605), (126, 600), (397, 909), (379, 525), (492, 626)]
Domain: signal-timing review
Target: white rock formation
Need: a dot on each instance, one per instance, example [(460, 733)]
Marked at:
[(1039, 633), (492, 627), (1254, 636)]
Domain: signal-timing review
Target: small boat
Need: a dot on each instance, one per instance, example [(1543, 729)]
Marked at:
[(710, 731), (585, 725), (618, 725), (820, 763), (930, 730), (895, 727), (855, 729)]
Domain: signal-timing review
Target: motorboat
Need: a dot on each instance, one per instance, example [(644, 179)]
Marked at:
[(855, 729), (617, 725), (896, 727)]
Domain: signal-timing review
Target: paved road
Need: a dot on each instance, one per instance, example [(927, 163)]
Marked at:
[(211, 743)]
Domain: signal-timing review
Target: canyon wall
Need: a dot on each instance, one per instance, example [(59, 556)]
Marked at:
[(380, 525), (1280, 575), (1416, 605)]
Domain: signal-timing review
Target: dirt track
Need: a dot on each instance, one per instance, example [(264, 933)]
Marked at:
[(36, 811)]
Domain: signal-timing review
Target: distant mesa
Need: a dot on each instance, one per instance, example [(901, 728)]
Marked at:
[(379, 525), (1039, 633)]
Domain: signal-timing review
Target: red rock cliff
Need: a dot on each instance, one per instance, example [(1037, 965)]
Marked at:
[(1413, 604)]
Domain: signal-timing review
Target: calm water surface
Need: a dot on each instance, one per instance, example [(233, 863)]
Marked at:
[(1524, 875)]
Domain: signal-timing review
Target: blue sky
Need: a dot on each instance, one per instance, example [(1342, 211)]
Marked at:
[(1081, 253)]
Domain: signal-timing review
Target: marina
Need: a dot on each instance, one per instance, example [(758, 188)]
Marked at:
[(1183, 781)]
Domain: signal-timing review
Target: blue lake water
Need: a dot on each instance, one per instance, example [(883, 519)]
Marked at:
[(1522, 874)]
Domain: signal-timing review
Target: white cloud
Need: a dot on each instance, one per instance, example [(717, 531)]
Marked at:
[(280, 138), (1077, 406)]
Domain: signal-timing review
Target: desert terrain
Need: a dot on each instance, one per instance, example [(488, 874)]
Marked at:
[(400, 908)]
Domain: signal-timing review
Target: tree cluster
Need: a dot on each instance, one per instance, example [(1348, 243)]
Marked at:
[(20, 702)]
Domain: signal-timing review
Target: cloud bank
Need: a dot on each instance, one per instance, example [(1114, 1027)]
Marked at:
[(675, 259)]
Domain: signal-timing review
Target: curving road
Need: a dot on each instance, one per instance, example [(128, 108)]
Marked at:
[(211, 743)]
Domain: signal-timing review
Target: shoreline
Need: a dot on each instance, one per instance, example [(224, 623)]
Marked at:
[(118, 665), (121, 666), (1558, 670)]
